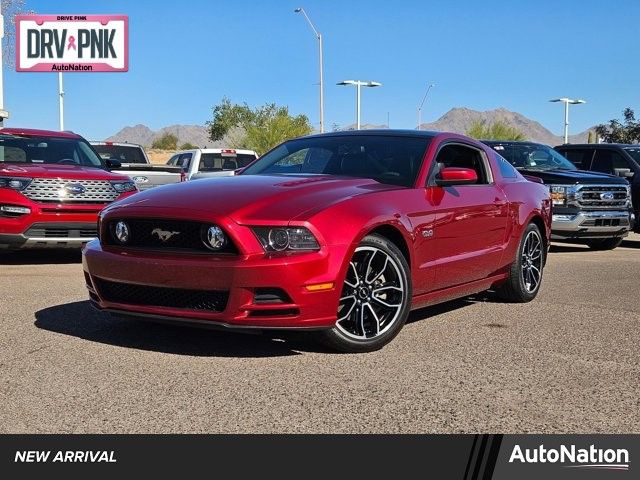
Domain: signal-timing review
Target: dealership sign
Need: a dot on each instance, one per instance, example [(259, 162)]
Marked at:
[(72, 43)]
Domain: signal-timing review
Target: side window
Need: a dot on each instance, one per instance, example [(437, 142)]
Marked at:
[(184, 160), (580, 158), (173, 161), (607, 161), (461, 156), (506, 169)]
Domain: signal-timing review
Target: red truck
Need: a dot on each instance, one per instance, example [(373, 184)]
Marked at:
[(52, 186)]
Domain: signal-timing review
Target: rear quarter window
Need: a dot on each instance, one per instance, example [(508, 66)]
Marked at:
[(506, 169)]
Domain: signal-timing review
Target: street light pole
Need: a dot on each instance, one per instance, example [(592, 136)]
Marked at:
[(358, 84), (422, 103), (3, 113), (358, 105), (566, 102), (320, 58), (61, 100)]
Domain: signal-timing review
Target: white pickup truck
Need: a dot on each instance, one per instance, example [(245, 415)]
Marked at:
[(135, 164), (211, 162)]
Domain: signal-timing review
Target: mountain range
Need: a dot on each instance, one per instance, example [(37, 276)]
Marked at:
[(456, 120)]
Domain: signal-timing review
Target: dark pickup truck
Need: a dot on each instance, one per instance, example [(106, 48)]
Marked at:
[(618, 159), (588, 207)]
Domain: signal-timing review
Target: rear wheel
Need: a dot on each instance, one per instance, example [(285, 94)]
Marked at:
[(375, 299), (525, 274), (604, 243)]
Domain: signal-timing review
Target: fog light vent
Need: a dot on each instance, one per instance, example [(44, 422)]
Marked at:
[(270, 295)]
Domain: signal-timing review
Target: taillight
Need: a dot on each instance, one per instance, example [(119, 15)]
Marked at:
[(183, 176)]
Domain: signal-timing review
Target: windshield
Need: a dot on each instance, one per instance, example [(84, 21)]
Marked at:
[(387, 159), (121, 153), (634, 152), (533, 157), (64, 151)]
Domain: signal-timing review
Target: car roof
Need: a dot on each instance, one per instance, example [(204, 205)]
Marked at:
[(387, 132), (599, 145), (117, 144), (513, 142), (32, 132), (218, 150)]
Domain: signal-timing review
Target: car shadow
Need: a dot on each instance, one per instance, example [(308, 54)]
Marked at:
[(80, 319), (630, 244), (568, 248), (40, 257)]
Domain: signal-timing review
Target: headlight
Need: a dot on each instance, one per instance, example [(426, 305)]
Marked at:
[(122, 187), (280, 239), (562, 194), (16, 183)]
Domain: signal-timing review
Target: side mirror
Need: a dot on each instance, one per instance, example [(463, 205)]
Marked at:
[(112, 164), (623, 172), (455, 176)]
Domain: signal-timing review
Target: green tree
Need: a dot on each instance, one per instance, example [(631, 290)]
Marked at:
[(257, 129), (167, 141), (187, 146), (627, 131), (497, 130)]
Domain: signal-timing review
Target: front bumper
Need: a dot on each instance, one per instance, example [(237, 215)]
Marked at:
[(47, 225), (238, 278), (592, 224)]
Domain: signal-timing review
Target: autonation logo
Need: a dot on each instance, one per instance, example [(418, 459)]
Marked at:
[(573, 457)]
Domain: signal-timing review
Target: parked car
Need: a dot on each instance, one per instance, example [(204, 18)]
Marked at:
[(136, 165), (611, 158), (52, 186), (342, 234), (211, 162), (588, 207)]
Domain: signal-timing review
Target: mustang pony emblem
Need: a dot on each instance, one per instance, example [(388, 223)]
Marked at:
[(163, 235)]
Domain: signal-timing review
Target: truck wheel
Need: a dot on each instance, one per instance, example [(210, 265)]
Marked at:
[(375, 299), (604, 243), (525, 274)]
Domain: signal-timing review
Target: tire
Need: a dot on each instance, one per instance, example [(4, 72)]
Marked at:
[(525, 273), (604, 243), (375, 299)]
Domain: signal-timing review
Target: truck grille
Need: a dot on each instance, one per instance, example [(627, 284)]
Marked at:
[(151, 234), (53, 190), (132, 294), (602, 196)]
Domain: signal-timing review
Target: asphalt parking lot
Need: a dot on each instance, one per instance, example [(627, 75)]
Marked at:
[(568, 362)]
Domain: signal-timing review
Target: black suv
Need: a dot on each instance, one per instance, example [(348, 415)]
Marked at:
[(589, 207), (612, 158)]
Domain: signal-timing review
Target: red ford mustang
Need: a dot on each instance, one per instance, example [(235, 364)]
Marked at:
[(341, 233)]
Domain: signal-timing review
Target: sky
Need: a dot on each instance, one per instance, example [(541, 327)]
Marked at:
[(184, 57)]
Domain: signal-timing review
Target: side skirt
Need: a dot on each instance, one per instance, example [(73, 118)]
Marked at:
[(451, 293)]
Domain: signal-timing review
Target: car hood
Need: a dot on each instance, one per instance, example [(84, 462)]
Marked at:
[(53, 170), (571, 177), (255, 197)]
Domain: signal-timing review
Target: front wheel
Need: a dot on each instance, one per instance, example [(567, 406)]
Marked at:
[(525, 274), (604, 243), (375, 299)]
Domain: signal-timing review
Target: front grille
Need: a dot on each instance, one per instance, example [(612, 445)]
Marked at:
[(165, 234), (133, 294), (590, 196), (53, 190), (62, 231)]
